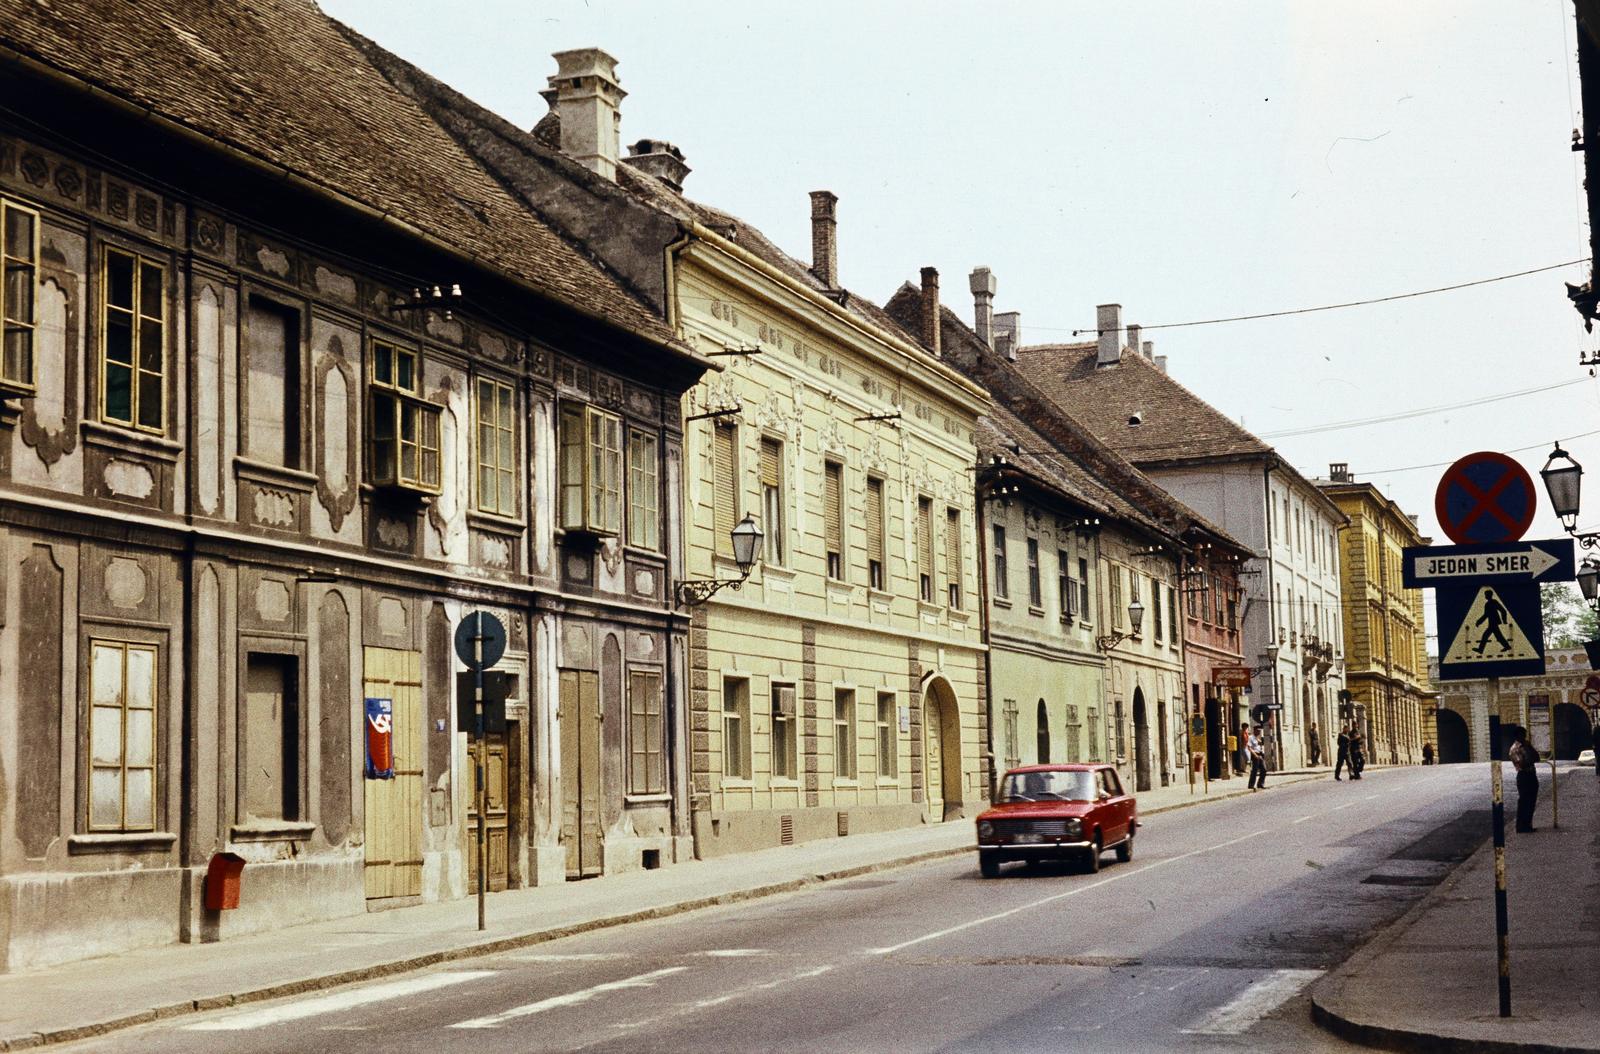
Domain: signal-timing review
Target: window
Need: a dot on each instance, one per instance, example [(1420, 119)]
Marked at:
[(724, 487), (1002, 583), (644, 517), (404, 427), (591, 470), (1172, 615), (133, 342), (1085, 612), (19, 253), (844, 734), (497, 445), (646, 774), (833, 518), (925, 549), (1117, 612), (1012, 748), (1155, 609), (271, 738), (772, 499), (784, 743), (1041, 720), (952, 557), (1205, 598), (1233, 613), (122, 736), (1066, 588), (736, 728), (1121, 732), (272, 393), (1133, 598), (1035, 587), (888, 737), (875, 546)]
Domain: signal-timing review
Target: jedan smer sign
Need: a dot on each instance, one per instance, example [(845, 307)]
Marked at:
[(1544, 561)]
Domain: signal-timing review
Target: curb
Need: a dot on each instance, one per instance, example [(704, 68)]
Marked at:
[(35, 1040)]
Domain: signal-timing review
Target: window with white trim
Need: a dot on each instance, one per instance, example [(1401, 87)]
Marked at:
[(844, 734)]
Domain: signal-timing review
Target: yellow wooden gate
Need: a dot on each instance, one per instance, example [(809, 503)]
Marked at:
[(394, 807), (579, 715), (496, 828), (933, 769)]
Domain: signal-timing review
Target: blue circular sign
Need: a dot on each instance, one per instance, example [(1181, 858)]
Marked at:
[(1485, 499)]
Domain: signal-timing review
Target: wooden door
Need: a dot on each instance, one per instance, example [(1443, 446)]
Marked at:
[(933, 768), (579, 715), (496, 816), (394, 806)]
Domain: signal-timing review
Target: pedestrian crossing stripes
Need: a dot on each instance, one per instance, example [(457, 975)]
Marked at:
[(1261, 998), (555, 1002), (343, 1000)]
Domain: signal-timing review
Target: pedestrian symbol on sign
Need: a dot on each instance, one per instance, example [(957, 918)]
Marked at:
[(1489, 633)]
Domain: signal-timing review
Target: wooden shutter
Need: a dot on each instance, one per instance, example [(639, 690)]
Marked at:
[(832, 527), (875, 520), (724, 506), (925, 539), (952, 553), (770, 470)]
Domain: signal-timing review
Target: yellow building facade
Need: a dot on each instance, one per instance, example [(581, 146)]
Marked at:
[(1386, 656), (840, 689)]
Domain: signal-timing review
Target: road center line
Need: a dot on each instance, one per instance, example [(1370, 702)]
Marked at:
[(1237, 1015), (556, 1002), (328, 1004), (1061, 896)]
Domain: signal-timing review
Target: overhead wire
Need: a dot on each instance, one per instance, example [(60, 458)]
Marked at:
[(1406, 415)]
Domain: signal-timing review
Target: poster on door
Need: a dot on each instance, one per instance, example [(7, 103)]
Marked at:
[(380, 739)]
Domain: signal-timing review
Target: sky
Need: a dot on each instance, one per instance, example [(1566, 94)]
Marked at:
[(1188, 161)]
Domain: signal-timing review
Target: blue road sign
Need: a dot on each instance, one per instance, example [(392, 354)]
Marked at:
[(1431, 566), (1485, 498), (1490, 629)]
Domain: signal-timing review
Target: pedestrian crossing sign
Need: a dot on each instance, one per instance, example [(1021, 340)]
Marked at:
[(1493, 631)]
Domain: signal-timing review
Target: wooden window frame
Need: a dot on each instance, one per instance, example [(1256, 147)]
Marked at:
[(599, 489), (724, 487), (647, 772), (924, 542), (501, 463), (833, 547), (846, 730), (393, 403), (121, 766), (736, 739), (953, 578), (1035, 576), (1002, 575), (644, 489), (877, 537), (11, 316), (774, 498), (137, 319), (888, 736), (790, 755)]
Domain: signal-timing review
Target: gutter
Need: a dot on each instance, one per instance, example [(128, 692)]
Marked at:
[(388, 219)]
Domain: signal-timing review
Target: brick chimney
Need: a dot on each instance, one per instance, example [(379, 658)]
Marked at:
[(983, 286), (586, 96), (930, 310), (1339, 472), (1008, 333), (1108, 320), (659, 158), (825, 237)]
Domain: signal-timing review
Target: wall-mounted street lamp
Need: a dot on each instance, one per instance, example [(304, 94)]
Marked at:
[(1589, 580), (746, 537), (1135, 620), (1563, 479)]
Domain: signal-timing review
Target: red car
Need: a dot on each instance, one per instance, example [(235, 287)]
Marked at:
[(1057, 812)]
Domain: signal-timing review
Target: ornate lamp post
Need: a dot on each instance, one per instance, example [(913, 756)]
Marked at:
[(746, 537), (1563, 478), (1135, 620)]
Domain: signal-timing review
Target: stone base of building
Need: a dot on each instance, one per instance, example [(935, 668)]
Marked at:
[(636, 854), (726, 833), (274, 895), (57, 918)]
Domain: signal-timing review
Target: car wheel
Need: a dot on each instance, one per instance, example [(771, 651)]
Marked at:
[(1125, 850), (989, 866), (1093, 863)]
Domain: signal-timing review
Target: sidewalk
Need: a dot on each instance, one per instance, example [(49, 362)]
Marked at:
[(1430, 982), (78, 1000)]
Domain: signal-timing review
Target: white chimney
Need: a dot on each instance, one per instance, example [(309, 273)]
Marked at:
[(586, 96), (1108, 320), (983, 286), (1008, 333), (1159, 360)]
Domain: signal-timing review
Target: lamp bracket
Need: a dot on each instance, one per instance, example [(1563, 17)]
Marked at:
[(692, 592)]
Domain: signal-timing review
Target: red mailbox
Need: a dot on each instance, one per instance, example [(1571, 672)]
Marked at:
[(222, 881)]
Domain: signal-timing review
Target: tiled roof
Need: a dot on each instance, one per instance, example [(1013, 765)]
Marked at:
[(278, 80), (1177, 425)]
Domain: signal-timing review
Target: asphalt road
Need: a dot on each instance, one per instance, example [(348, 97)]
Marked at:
[(1205, 941)]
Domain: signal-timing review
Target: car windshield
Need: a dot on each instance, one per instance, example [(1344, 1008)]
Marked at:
[(1048, 786)]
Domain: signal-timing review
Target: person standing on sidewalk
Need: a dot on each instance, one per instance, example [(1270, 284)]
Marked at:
[(1342, 758), (1526, 760), (1258, 762), (1316, 747)]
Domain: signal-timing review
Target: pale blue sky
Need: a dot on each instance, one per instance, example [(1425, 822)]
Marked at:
[(1188, 161)]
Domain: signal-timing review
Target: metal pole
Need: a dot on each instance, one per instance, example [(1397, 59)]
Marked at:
[(481, 791), (1555, 796), (1498, 816)]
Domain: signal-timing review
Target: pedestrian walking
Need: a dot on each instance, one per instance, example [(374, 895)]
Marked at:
[(1316, 747), (1427, 753), (1358, 754), (1258, 762), (1526, 761), (1341, 760)]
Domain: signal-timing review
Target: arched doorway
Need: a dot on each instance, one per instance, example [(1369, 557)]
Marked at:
[(1454, 743), (1043, 720), (941, 732), (1141, 748), (1216, 739), (1572, 732)]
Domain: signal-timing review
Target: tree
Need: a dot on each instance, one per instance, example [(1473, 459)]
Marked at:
[(1568, 621)]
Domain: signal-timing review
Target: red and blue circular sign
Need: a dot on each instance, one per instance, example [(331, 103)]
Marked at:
[(1485, 499)]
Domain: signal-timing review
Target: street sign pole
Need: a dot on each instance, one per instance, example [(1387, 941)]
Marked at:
[(1497, 814), (483, 746)]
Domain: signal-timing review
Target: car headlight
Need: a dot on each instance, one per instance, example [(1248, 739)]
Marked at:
[(985, 830), (1074, 828)]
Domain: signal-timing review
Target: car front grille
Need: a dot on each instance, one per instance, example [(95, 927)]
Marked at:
[(1047, 828)]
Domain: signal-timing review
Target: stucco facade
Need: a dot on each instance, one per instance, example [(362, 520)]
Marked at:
[(1465, 706)]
